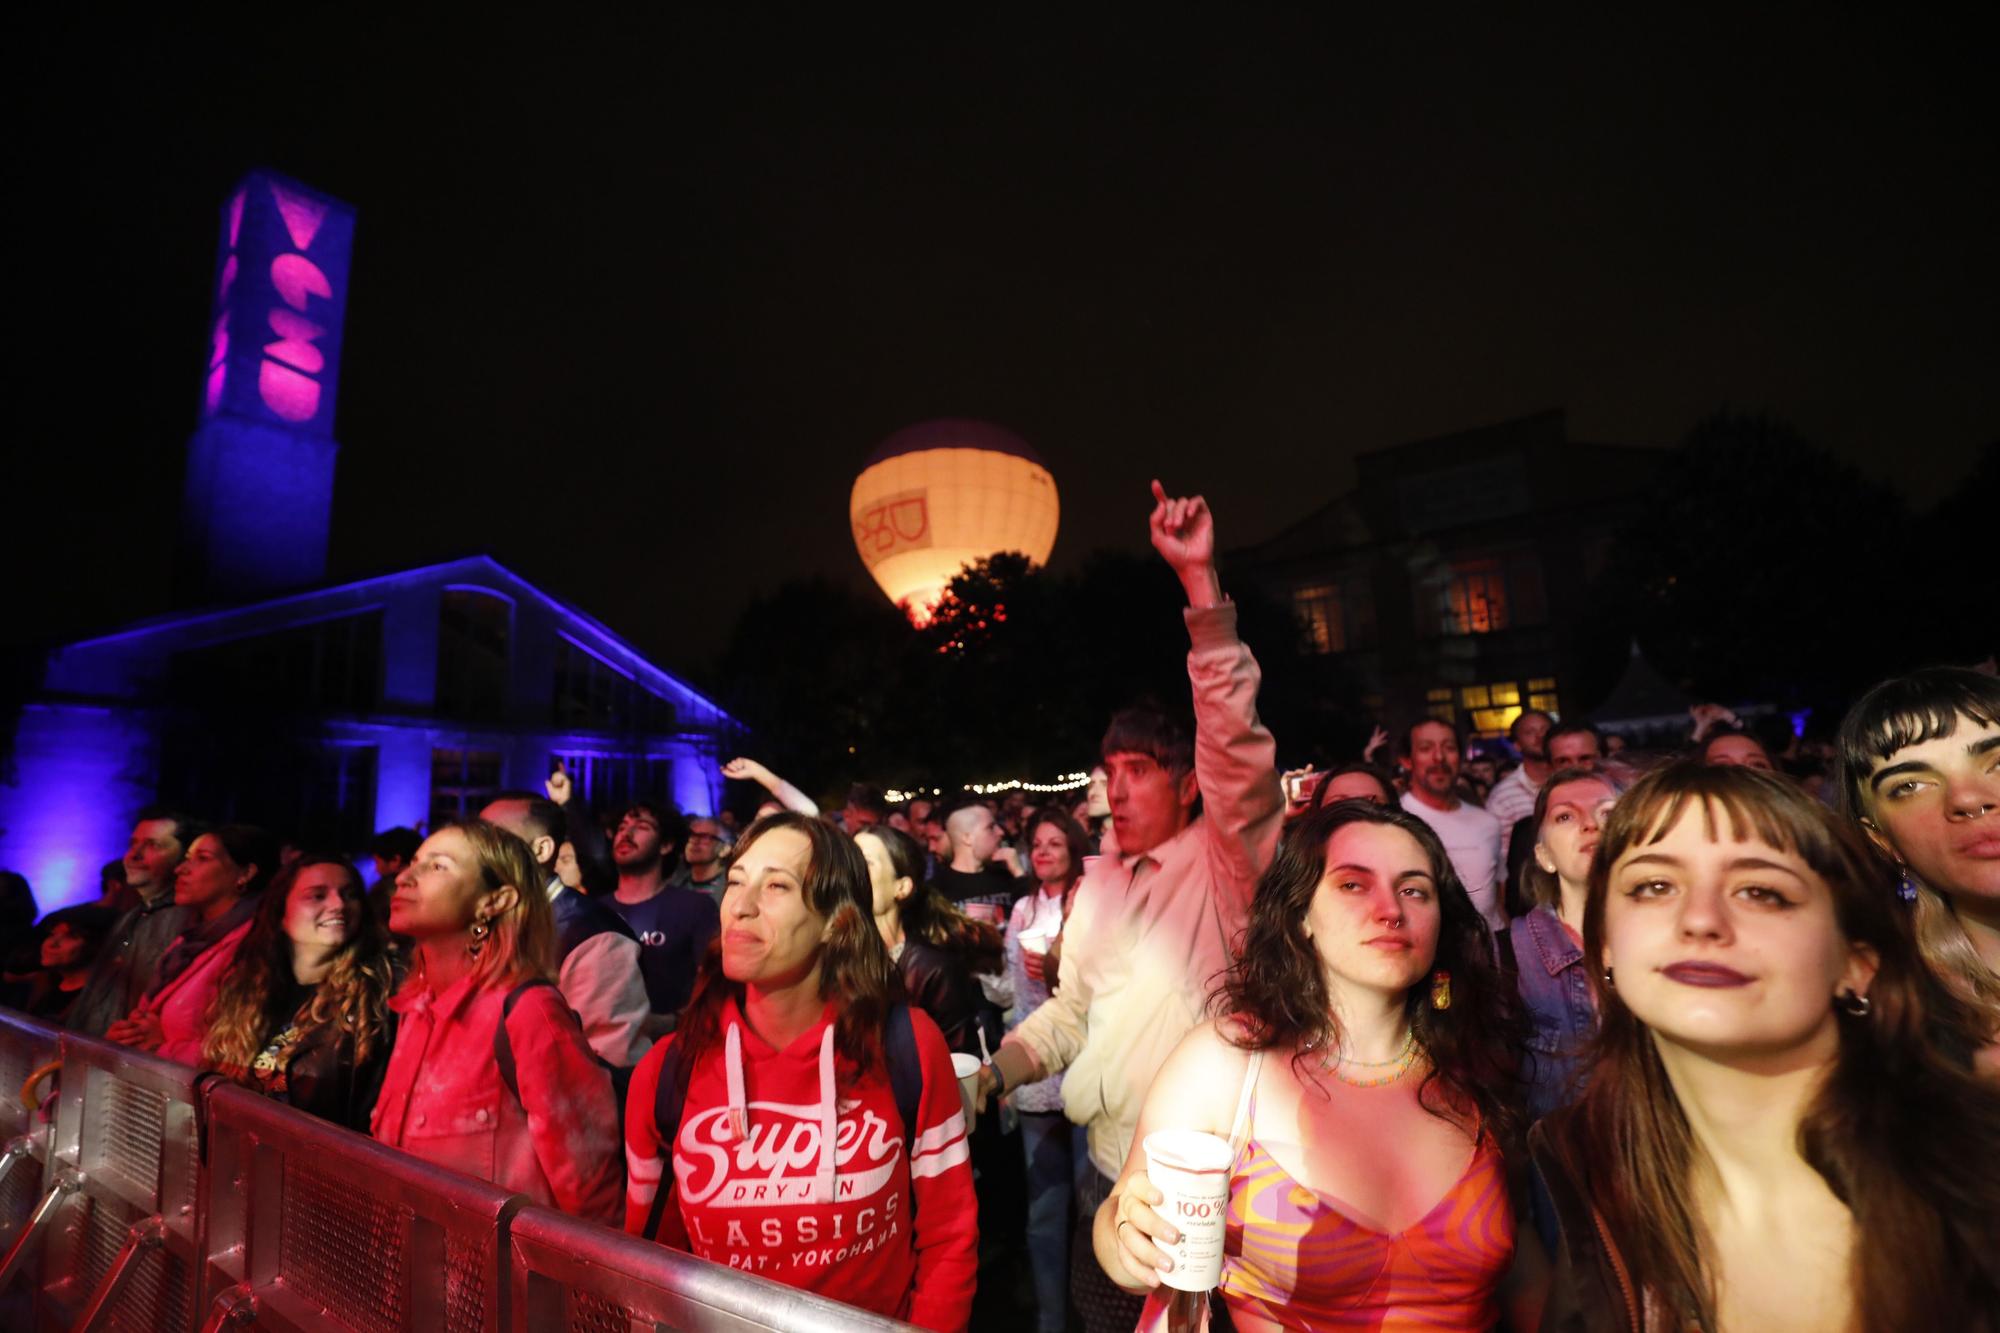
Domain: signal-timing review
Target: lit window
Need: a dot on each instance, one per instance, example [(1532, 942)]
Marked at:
[(1475, 599), (1318, 610), (1474, 696), (1542, 684), (1545, 703), (1505, 694)]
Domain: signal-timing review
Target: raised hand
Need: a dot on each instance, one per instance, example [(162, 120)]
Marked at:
[(559, 786), (747, 770), (1183, 533)]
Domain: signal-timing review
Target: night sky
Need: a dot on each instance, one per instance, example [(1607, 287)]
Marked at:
[(630, 304)]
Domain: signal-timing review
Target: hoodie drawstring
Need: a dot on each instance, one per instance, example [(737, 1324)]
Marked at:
[(829, 1124), (739, 1110)]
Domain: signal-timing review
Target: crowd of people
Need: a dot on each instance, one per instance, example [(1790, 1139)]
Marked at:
[(1604, 1039)]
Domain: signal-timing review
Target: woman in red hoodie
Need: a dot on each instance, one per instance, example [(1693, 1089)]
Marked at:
[(791, 1159), (474, 902)]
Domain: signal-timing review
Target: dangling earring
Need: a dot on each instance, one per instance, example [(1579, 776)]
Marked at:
[(1607, 979), (480, 930), (1440, 989), (1906, 885), (1853, 1004)]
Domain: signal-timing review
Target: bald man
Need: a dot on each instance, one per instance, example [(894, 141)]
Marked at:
[(972, 880)]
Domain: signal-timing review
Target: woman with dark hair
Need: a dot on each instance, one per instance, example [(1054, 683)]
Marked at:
[(1781, 1131), (790, 1156), (1369, 1183), (1360, 781), (1920, 771), (938, 950), (1547, 941), (70, 939), (218, 883), (302, 1015), (490, 1073), (1733, 747), (1054, 1149)]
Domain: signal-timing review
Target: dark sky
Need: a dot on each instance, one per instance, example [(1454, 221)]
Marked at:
[(631, 302)]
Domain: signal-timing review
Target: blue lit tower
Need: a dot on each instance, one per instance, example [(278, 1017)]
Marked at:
[(260, 466)]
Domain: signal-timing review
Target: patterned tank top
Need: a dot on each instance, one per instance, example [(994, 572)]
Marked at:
[(1293, 1258)]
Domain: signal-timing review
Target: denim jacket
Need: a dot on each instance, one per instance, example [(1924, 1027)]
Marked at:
[(1555, 989)]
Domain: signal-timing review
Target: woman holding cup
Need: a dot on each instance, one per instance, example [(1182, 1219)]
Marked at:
[(1332, 1152), (1054, 1148)]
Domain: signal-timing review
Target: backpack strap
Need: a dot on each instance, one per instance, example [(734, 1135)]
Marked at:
[(906, 1073), (669, 1100), (503, 1046)]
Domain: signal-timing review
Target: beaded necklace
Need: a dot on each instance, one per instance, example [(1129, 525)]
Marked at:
[(1398, 1065)]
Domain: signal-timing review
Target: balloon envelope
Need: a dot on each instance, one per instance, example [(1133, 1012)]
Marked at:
[(938, 496)]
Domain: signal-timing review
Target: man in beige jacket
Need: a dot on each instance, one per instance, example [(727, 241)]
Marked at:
[(1152, 930)]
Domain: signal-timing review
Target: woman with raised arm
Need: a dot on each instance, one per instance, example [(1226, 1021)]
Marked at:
[(490, 1073), (1920, 770), (303, 1014), (1364, 1075), (782, 793), (1781, 1132), (813, 1125)]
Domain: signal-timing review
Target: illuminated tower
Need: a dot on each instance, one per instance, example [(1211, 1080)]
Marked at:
[(260, 466)]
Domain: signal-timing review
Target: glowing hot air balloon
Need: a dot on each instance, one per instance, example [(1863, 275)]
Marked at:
[(938, 496)]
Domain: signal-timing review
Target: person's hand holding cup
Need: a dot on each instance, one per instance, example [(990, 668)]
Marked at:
[(1142, 1232)]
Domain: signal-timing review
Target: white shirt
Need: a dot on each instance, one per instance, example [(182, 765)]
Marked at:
[(1512, 800), (601, 981), (1471, 837)]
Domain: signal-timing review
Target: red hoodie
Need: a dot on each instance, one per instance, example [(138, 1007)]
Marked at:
[(807, 1184)]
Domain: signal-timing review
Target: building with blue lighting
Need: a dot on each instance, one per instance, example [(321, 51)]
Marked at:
[(325, 710)]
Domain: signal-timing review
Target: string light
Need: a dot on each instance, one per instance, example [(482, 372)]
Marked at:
[(1067, 782)]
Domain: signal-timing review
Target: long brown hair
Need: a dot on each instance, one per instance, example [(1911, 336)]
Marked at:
[(929, 916), (1901, 1131), (1277, 988), (855, 971), (247, 1011)]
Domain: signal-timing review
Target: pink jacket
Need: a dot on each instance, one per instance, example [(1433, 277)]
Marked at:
[(183, 1003), (443, 1098)]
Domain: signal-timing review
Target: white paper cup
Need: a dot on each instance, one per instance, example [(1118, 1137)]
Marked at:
[(967, 1069), (1192, 1169)]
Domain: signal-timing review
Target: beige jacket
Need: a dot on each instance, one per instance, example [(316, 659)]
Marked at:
[(1150, 935)]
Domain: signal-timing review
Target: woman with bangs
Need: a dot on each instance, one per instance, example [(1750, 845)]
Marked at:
[(1780, 1132), (490, 1073), (799, 1124), (1920, 770), (1365, 1074), (302, 1015)]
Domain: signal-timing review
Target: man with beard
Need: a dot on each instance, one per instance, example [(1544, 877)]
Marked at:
[(1470, 835), (674, 924), (131, 953)]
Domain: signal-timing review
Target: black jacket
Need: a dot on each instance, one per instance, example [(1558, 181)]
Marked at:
[(1592, 1289), (943, 987)]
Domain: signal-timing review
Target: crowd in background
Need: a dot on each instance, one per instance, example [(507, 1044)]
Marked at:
[(1552, 1032)]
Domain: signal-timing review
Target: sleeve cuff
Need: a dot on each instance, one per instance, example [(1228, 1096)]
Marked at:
[(1211, 626)]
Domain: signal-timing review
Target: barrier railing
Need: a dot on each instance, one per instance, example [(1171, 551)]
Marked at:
[(126, 1153), (324, 1229), (25, 1046), (567, 1274), (170, 1200)]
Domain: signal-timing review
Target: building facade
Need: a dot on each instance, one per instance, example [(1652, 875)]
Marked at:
[(1451, 580)]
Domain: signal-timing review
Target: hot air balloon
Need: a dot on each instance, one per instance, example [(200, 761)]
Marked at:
[(940, 495)]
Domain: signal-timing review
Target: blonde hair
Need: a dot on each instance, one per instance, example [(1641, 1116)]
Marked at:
[(521, 943)]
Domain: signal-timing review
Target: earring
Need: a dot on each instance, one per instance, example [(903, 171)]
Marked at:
[(1853, 1004), (1440, 990), (480, 930), (1607, 979), (1906, 885)]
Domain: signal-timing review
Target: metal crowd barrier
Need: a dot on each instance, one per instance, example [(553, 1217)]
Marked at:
[(25, 1046), (311, 1226), (162, 1200), (567, 1274)]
